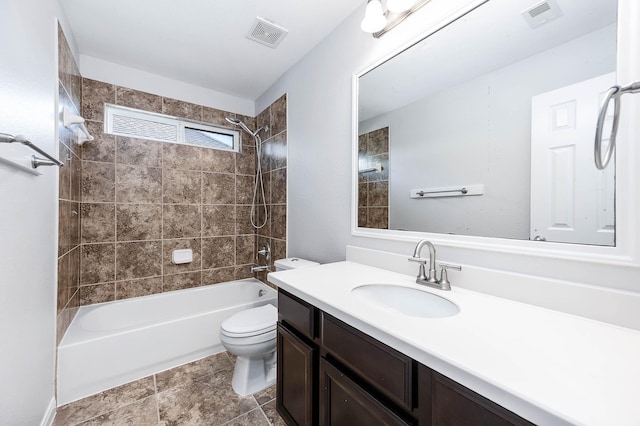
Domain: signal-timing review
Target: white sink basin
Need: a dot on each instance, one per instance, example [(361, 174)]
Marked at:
[(406, 300)]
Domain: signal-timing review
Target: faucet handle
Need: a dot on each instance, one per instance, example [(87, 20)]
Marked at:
[(422, 274), (444, 277)]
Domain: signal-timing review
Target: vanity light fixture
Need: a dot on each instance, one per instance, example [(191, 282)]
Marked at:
[(379, 19), (374, 17), (398, 6)]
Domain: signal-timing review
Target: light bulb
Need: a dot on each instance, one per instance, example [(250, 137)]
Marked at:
[(397, 6), (374, 19)]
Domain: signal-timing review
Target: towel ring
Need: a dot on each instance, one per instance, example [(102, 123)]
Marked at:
[(612, 93), (615, 92)]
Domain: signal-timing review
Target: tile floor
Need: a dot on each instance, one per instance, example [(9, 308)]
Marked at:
[(198, 393)]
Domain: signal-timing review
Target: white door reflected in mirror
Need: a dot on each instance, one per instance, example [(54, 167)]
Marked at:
[(571, 200)]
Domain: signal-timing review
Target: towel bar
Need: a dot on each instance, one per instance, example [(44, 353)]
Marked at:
[(35, 161)]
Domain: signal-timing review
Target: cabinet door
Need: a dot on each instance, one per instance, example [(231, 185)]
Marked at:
[(295, 385), (343, 402), (385, 369), (455, 405)]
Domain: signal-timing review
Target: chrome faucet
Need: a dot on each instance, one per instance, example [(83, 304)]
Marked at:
[(422, 276), (265, 251), (430, 278)]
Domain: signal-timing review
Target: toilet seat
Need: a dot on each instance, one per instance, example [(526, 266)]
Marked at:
[(247, 341), (251, 322)]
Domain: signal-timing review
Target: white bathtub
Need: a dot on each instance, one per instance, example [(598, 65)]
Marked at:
[(113, 343)]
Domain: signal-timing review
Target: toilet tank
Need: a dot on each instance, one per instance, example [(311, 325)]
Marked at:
[(292, 263)]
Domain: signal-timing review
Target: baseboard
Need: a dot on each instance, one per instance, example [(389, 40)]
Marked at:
[(50, 414)]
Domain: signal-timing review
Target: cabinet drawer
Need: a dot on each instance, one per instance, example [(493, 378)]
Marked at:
[(343, 402), (384, 368), (297, 313)]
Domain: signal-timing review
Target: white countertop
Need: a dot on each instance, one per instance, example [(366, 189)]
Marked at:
[(546, 366)]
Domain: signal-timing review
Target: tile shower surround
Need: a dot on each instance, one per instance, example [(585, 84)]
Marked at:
[(69, 89), (373, 187), (274, 169), (124, 204), (142, 199)]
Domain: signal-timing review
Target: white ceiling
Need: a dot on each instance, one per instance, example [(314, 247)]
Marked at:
[(203, 42)]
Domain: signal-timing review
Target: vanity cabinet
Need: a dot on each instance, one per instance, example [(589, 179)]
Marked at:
[(453, 404), (344, 402), (329, 373), (382, 368), (297, 361)]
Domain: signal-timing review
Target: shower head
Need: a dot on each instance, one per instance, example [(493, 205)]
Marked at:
[(238, 122)]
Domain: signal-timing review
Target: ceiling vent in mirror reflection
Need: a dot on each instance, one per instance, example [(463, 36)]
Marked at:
[(542, 13), (267, 33)]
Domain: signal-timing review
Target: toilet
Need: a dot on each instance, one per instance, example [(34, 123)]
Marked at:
[(251, 336)]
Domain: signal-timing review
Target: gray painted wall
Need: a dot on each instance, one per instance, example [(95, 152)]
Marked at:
[(319, 116), (319, 89)]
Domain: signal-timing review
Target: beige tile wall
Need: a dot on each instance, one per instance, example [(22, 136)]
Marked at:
[(373, 187), (142, 199), (69, 85)]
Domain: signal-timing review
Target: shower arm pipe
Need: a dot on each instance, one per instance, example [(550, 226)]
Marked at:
[(35, 161)]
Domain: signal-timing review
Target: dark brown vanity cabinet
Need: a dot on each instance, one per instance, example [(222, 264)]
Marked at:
[(296, 399), (383, 368), (329, 373), (298, 356), (344, 402)]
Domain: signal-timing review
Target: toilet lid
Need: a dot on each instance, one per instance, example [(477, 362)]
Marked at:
[(251, 321)]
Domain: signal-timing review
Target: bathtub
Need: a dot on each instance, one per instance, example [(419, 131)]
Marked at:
[(113, 343)]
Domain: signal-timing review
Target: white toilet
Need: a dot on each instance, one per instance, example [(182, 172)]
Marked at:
[(251, 336)]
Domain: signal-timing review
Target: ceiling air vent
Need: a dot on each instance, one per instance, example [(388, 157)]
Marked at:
[(542, 13), (267, 33)]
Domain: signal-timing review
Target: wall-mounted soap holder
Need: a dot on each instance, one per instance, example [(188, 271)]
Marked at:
[(181, 256)]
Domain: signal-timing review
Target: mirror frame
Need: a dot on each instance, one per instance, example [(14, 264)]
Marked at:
[(626, 252)]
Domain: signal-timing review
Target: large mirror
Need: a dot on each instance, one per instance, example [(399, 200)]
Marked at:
[(486, 127)]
